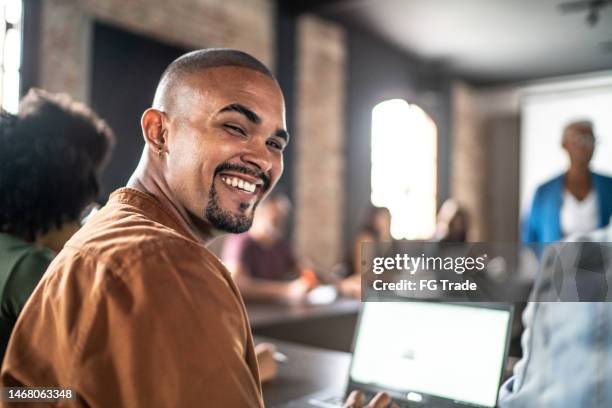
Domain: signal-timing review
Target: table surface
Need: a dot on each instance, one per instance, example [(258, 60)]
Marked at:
[(307, 370), (261, 314)]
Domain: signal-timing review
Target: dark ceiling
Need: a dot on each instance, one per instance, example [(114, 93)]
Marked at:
[(483, 41)]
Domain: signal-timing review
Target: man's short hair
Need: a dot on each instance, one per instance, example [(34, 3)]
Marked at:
[(201, 60), (51, 155)]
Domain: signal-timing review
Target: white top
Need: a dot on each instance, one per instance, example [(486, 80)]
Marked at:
[(578, 217)]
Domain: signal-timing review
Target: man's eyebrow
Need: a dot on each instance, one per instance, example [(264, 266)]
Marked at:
[(249, 114), (283, 134), (253, 117)]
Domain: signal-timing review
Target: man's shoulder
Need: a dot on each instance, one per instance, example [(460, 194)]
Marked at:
[(118, 230), (119, 240)]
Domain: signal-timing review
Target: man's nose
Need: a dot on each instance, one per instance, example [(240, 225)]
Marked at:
[(258, 155)]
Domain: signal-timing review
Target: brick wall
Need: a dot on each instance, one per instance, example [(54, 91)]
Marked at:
[(485, 157), (320, 156), (469, 159), (65, 44), (66, 31)]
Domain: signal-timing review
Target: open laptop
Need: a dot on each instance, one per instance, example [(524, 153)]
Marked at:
[(426, 354)]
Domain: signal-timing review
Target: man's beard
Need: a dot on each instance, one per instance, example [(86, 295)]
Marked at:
[(225, 220)]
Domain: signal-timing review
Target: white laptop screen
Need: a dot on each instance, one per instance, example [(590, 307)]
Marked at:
[(447, 350)]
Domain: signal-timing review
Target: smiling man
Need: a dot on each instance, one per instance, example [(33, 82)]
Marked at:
[(135, 311)]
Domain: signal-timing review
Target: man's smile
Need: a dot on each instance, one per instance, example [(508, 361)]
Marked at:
[(241, 183)]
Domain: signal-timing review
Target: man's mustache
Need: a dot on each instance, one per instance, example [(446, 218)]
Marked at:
[(245, 170)]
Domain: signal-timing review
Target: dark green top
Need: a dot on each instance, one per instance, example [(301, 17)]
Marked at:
[(21, 267)]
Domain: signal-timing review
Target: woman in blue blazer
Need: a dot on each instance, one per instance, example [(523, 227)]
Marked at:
[(545, 222)]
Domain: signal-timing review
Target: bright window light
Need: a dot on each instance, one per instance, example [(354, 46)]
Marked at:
[(404, 163), (10, 53)]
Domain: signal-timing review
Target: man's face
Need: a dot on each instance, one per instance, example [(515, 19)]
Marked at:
[(579, 144), (226, 136)]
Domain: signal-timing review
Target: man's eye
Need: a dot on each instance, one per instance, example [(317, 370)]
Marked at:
[(235, 129), (276, 145)]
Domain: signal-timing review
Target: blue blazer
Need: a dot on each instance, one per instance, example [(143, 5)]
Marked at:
[(543, 222)]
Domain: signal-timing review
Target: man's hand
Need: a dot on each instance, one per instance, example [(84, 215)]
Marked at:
[(268, 368), (381, 400)]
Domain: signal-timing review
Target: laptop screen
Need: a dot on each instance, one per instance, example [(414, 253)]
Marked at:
[(445, 350)]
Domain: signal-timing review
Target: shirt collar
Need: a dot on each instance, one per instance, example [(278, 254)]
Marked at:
[(151, 207)]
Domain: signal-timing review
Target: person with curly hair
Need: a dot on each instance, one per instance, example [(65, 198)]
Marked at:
[(51, 154)]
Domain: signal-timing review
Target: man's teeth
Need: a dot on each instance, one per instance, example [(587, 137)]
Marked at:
[(240, 183)]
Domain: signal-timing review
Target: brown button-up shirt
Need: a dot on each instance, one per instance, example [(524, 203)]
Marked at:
[(135, 313)]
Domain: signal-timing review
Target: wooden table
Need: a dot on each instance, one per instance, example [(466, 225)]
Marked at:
[(307, 370), (328, 326)]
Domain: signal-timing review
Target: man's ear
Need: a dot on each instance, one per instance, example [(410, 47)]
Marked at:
[(154, 131)]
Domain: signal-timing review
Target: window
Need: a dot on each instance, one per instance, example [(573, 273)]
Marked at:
[(404, 164), (10, 53)]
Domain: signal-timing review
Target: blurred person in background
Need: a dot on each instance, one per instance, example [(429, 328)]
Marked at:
[(568, 336), (452, 223), (51, 155), (576, 201), (375, 229), (263, 266)]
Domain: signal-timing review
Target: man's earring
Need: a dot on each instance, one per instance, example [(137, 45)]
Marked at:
[(160, 151)]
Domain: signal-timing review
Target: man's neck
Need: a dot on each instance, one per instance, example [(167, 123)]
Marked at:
[(145, 179)]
